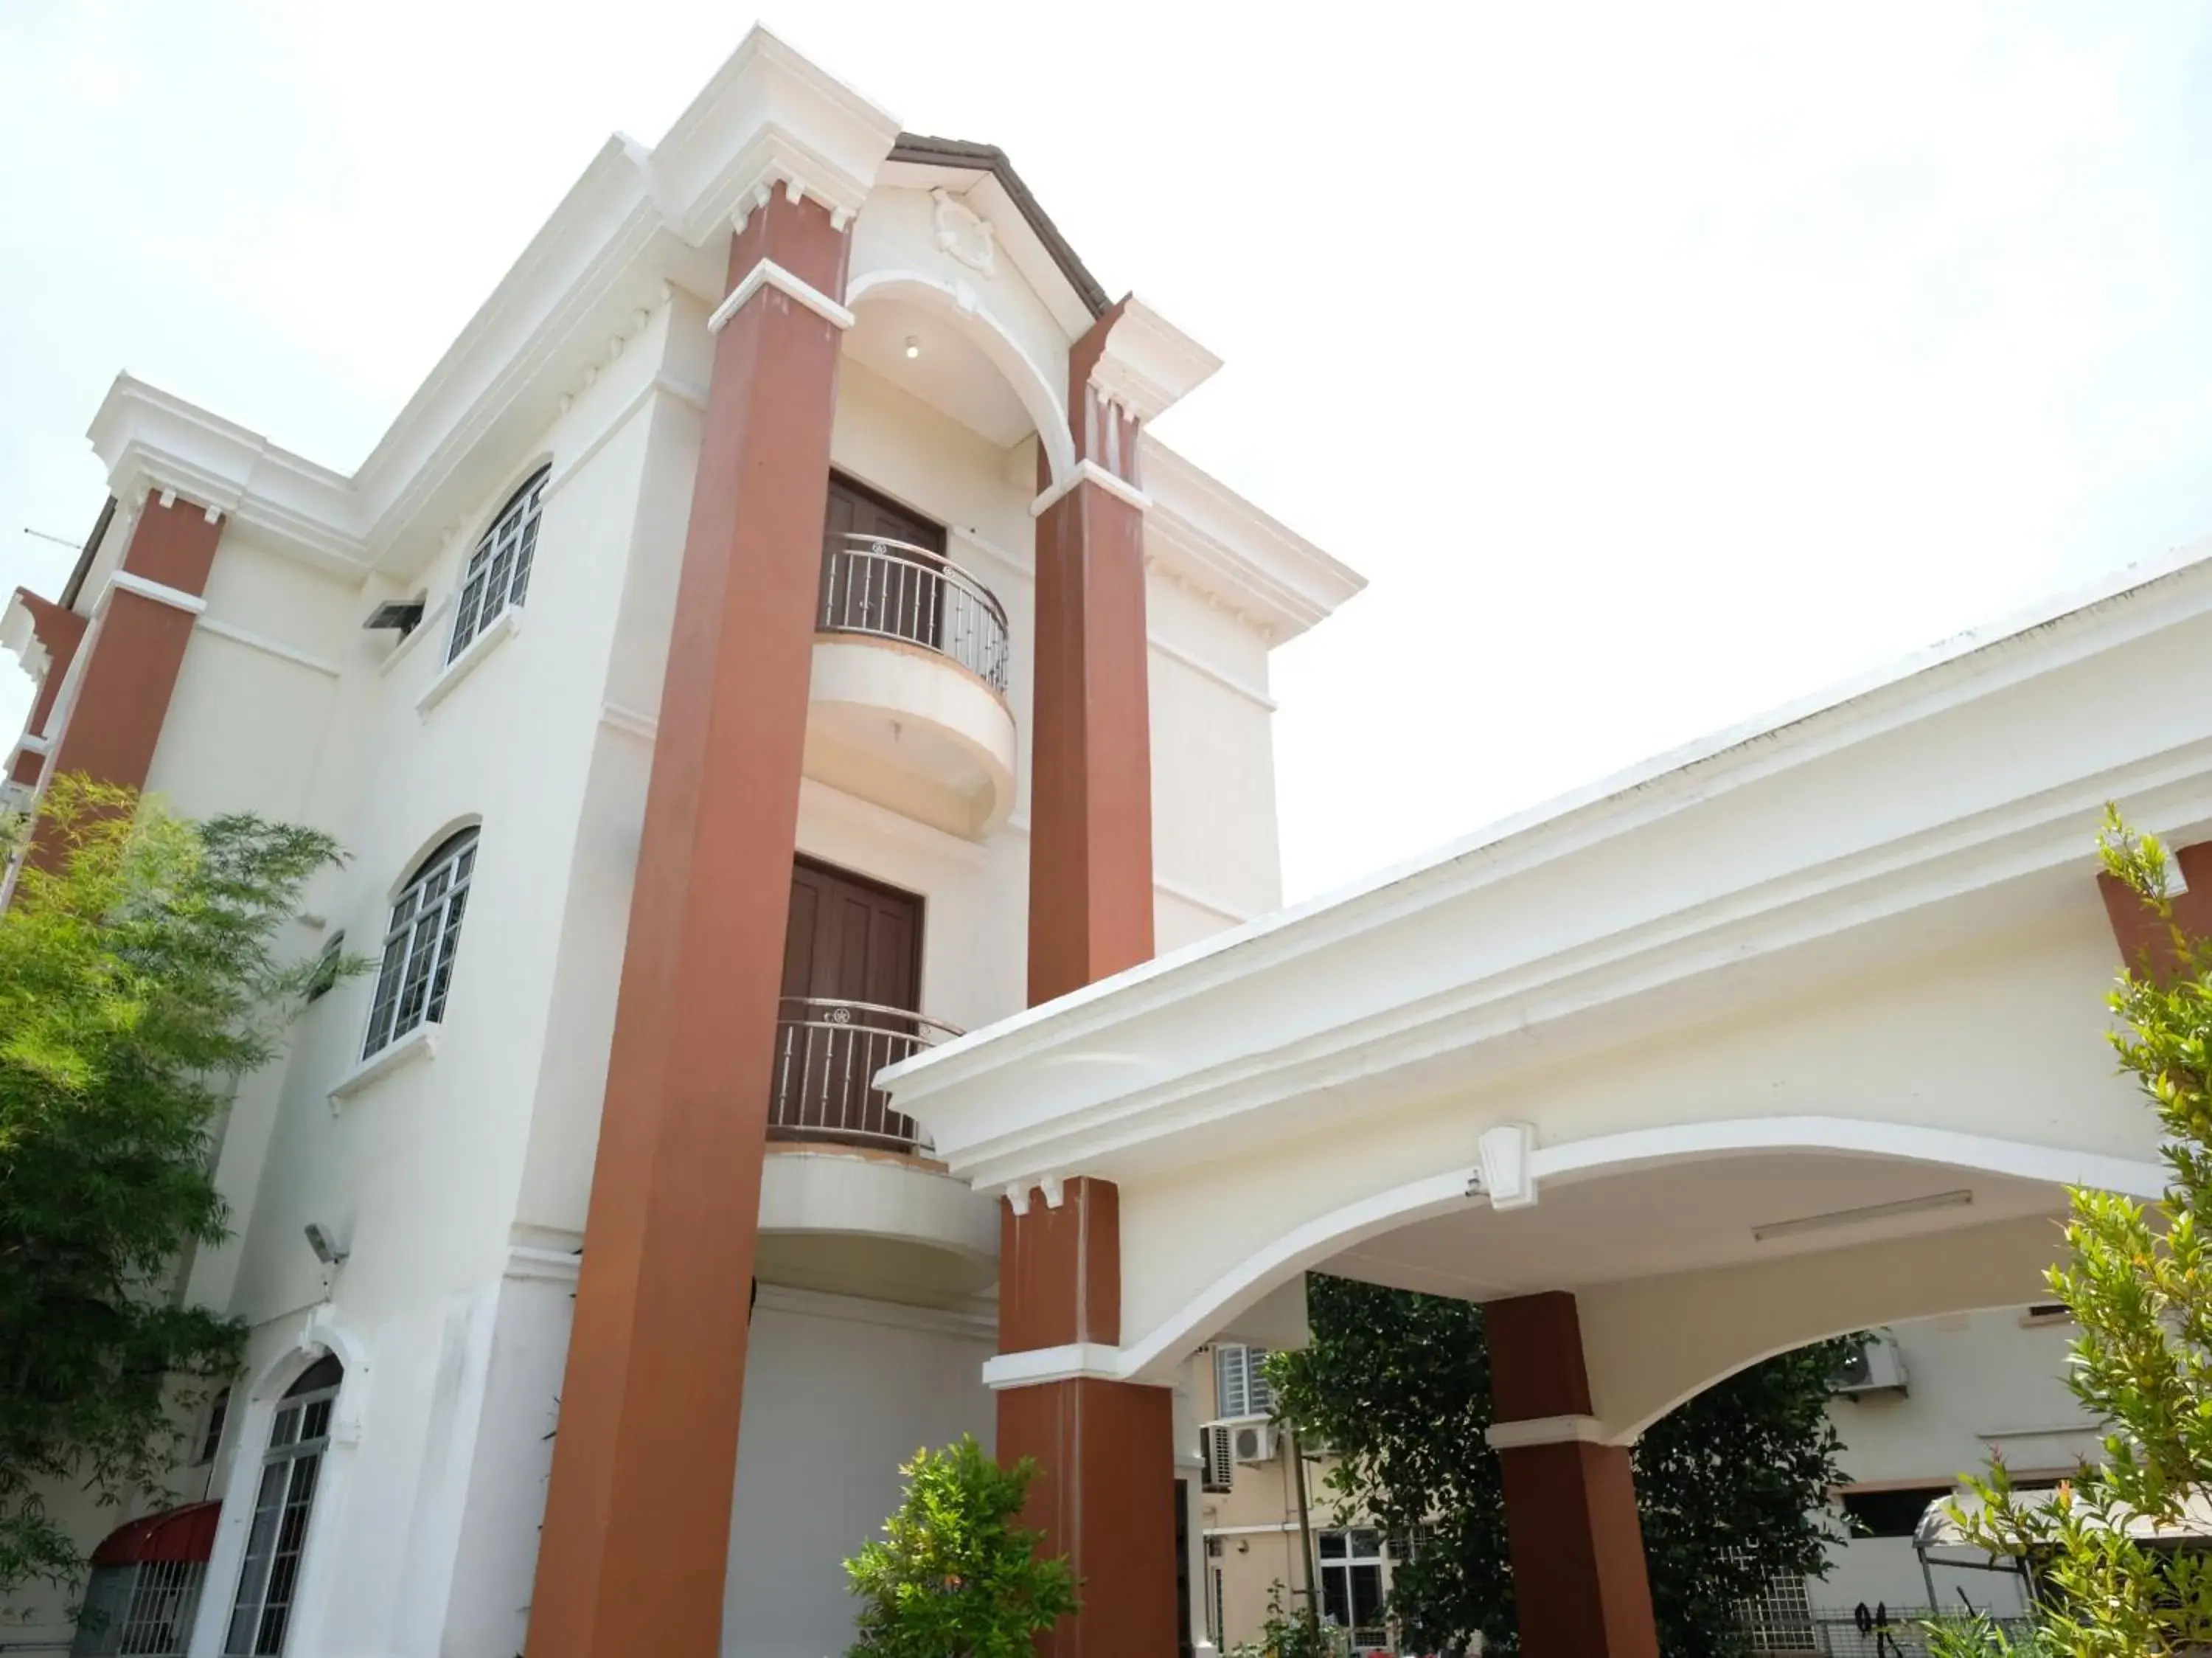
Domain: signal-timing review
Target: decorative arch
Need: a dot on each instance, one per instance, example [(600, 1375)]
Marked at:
[(1047, 411), (1158, 1351)]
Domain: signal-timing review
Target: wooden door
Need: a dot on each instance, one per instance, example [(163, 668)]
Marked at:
[(892, 595), (851, 958)]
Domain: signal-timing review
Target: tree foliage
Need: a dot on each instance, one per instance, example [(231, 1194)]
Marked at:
[(955, 1573), (2139, 1283), (139, 977), (1732, 1487)]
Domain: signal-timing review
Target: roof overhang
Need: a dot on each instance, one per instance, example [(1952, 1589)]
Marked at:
[(1953, 795)]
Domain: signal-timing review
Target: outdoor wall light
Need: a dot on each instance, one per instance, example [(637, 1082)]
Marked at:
[(326, 1248), (912, 347)]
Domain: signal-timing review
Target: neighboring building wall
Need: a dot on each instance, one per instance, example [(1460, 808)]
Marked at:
[(1977, 1384)]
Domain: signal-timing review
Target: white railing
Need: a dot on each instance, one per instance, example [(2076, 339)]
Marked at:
[(895, 590), (826, 1052)]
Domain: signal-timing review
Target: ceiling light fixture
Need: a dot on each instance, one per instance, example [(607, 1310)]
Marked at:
[(1843, 1217), (912, 347)]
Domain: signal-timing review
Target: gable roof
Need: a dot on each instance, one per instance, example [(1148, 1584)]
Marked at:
[(926, 151)]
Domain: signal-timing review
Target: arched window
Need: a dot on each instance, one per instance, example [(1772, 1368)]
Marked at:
[(269, 1581), (419, 944), (499, 569)]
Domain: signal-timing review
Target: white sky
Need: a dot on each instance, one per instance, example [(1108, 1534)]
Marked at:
[(1658, 363)]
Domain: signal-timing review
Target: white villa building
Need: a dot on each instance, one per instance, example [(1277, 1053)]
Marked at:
[(770, 644)]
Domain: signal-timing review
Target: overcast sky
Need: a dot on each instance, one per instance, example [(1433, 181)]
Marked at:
[(1657, 365)]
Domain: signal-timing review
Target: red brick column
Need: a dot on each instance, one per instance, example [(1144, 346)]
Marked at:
[(2140, 935), (1090, 744), (1105, 1493), (136, 645), (1579, 1583), (636, 1537), (1105, 1496), (58, 631)]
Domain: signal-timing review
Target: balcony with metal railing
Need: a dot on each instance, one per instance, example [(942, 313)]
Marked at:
[(888, 589), (821, 1086), (850, 1201), (912, 661)]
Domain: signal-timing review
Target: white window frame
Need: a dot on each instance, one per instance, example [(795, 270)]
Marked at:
[(1343, 1565), (416, 968), (1240, 1382), (284, 1497), (496, 578)]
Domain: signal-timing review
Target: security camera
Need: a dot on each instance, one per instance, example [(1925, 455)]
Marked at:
[(326, 1249)]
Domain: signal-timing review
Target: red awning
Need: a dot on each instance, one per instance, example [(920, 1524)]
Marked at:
[(185, 1533)]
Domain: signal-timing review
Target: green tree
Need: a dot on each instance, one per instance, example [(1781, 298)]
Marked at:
[(139, 976), (955, 1573), (1732, 1487), (2140, 1286)]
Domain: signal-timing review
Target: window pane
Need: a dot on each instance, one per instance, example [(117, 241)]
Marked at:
[(1366, 1595), (253, 1577), (1336, 1595), (1262, 1397), (1229, 1381), (418, 953)]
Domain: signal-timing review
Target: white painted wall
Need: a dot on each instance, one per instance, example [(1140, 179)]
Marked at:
[(838, 1393)]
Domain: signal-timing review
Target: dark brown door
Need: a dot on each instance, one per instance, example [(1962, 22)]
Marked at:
[(891, 592), (851, 958)]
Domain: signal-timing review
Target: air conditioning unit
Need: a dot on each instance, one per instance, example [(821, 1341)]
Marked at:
[(1874, 1366), (1216, 1450), (1252, 1441)]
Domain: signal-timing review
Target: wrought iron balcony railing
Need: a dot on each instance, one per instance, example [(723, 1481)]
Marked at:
[(826, 1052), (895, 590)]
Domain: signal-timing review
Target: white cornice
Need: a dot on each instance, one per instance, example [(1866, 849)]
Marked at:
[(150, 440), (769, 119), (1206, 537), (1996, 803), (1148, 363), (19, 637)]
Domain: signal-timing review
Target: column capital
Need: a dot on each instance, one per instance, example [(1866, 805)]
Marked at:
[(768, 274), (1087, 1360), (1089, 472)]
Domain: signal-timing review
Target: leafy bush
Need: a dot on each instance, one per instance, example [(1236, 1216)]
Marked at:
[(2140, 1288), (955, 1574)]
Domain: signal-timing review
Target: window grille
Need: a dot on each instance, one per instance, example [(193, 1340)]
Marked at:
[(1240, 1382), (142, 1610), (498, 572), (419, 945), (269, 1581), (1779, 1618)]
